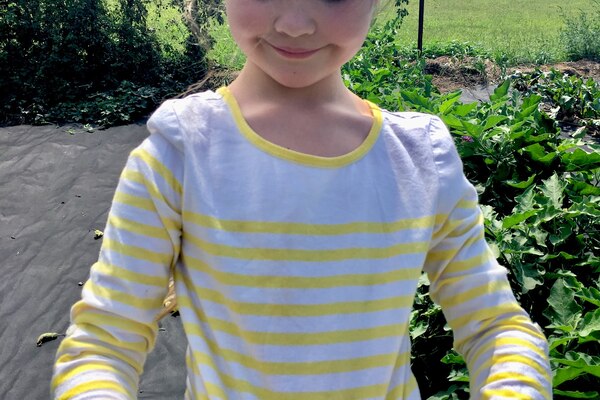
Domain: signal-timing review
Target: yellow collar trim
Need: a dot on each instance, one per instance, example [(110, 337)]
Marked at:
[(295, 156)]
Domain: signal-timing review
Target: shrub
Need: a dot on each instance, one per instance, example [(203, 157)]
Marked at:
[(57, 53), (580, 34)]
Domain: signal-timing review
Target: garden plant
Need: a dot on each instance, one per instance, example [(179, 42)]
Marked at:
[(540, 197)]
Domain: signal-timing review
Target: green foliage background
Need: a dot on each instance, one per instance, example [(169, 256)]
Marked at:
[(88, 61), (540, 197)]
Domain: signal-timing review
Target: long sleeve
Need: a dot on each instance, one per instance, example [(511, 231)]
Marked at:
[(113, 326), (506, 353)]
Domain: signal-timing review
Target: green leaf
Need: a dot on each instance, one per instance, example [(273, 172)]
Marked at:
[(577, 395), (590, 323), (565, 374), (564, 231), (579, 160), (515, 219), (527, 275), (562, 307), (446, 106), (452, 121), (472, 129), (591, 295), (538, 153), (588, 209), (554, 190), (416, 99), (554, 342), (590, 364), (500, 91), (584, 188), (493, 120), (526, 200), (521, 184), (464, 109), (529, 106), (452, 357)]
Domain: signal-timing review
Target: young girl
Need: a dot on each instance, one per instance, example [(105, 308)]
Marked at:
[(296, 219)]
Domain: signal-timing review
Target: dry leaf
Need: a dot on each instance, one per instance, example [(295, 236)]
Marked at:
[(47, 337)]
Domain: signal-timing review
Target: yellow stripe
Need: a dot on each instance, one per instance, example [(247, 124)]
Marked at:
[(305, 310), (496, 360), (404, 390), (295, 339), (484, 314), (134, 201), (273, 254), (239, 385), (459, 266), (137, 252), (145, 204), (143, 303), (481, 290), (299, 282), (213, 390), (87, 387), (101, 334), (93, 367), (83, 348), (507, 341), (450, 228), (193, 365), (158, 167), (151, 188), (302, 368), (297, 228), (86, 314), (449, 254), (464, 203), (138, 228), (517, 322), (130, 276), (511, 375), (506, 393), (442, 229)]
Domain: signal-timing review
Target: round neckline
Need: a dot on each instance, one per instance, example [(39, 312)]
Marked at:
[(296, 156)]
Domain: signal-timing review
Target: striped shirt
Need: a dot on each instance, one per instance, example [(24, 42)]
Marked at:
[(295, 274)]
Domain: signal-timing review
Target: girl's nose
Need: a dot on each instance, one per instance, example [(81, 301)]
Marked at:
[(295, 21)]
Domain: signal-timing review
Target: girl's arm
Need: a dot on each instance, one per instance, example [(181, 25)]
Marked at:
[(113, 326), (506, 354)]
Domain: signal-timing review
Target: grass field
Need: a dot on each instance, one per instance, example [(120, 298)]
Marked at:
[(525, 30), (522, 31)]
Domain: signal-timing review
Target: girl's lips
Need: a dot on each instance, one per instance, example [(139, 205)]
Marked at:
[(288, 52)]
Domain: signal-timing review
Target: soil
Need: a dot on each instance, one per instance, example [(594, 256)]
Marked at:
[(450, 73), (477, 80)]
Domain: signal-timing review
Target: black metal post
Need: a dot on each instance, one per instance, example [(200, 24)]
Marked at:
[(420, 38)]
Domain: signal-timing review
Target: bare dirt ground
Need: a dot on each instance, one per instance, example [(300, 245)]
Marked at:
[(477, 78), (450, 73)]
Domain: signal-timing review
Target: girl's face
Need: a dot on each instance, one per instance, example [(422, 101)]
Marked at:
[(298, 43)]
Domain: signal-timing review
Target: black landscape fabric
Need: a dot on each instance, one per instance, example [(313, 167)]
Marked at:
[(56, 186)]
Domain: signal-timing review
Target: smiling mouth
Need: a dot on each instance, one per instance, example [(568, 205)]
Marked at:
[(293, 53)]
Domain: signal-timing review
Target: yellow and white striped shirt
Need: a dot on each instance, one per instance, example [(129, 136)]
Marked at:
[(295, 274)]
